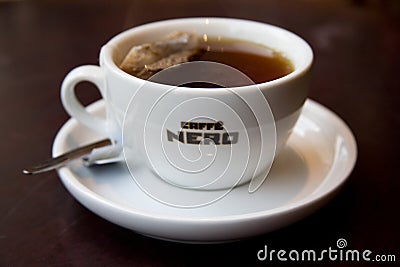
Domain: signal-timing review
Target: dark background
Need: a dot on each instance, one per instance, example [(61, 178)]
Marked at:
[(356, 74)]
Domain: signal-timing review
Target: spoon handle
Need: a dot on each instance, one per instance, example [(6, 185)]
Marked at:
[(63, 159)]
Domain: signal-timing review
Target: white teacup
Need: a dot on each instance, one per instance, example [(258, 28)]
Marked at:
[(150, 117)]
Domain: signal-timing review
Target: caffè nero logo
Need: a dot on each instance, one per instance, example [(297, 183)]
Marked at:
[(189, 147), (203, 133)]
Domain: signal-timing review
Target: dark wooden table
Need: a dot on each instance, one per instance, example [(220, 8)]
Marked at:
[(356, 74)]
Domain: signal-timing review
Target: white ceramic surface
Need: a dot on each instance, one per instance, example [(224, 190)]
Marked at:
[(243, 109), (318, 158)]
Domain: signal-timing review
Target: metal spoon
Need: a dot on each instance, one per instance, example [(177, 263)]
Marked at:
[(63, 159)]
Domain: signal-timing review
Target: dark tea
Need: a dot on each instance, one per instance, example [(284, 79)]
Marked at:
[(260, 63)]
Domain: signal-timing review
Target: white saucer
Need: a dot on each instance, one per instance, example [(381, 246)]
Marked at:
[(320, 155)]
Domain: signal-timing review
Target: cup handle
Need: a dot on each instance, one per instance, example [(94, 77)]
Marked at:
[(95, 75)]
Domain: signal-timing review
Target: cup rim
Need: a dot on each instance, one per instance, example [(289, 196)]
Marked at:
[(106, 53)]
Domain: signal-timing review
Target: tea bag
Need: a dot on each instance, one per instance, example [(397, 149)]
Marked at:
[(145, 60)]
